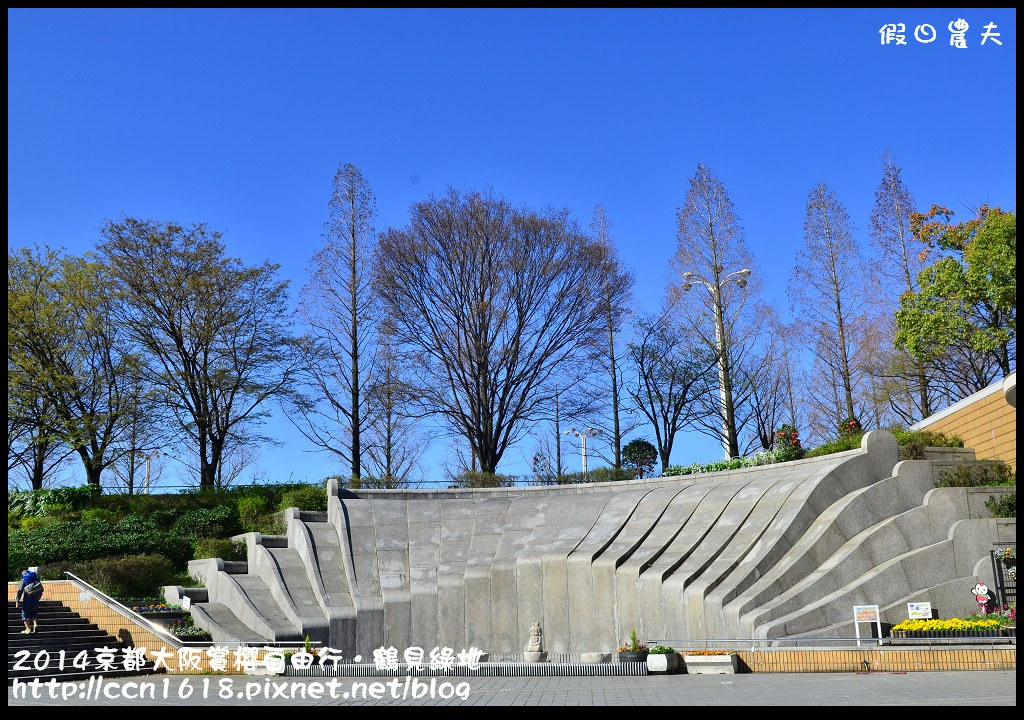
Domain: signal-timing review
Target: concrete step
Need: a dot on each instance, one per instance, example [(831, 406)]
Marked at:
[(263, 600), (331, 566), (222, 624)]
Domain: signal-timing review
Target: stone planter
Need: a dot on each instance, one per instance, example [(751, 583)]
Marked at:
[(663, 663), (640, 656), (711, 664), (595, 657)]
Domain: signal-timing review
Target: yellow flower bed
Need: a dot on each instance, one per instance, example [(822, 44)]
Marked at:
[(708, 652), (950, 624)]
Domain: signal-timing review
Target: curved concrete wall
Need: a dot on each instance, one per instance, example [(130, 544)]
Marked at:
[(769, 551)]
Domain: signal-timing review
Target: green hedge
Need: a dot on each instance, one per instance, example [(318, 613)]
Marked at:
[(984, 474), (1003, 506), (222, 548), (470, 479), (81, 540), (849, 442), (39, 502), (597, 475), (311, 498), (126, 576), (216, 522)]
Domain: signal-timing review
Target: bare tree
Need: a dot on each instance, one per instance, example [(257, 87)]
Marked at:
[(670, 375), (145, 433), (617, 291), (338, 303), (34, 449), (394, 444), (493, 301), (215, 331), (828, 286), (711, 253), (763, 383), (897, 261)]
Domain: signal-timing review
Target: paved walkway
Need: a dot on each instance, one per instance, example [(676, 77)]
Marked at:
[(976, 689)]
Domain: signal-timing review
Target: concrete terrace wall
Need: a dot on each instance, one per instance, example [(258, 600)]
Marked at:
[(987, 422), (766, 552)]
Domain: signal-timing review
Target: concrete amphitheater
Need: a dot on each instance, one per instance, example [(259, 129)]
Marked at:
[(774, 552)]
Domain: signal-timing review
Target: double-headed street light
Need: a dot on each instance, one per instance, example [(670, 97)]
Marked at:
[(583, 435), (729, 441)]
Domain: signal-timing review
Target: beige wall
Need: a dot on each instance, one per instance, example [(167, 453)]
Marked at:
[(986, 422)]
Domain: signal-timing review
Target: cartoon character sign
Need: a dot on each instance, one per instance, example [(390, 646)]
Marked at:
[(981, 595)]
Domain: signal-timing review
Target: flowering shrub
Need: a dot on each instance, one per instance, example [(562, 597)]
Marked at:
[(185, 629), (850, 427), (150, 608), (787, 444), (661, 650), (633, 645), (936, 624), (755, 460)]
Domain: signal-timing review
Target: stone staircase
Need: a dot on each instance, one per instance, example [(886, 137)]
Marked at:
[(61, 630), (778, 551)]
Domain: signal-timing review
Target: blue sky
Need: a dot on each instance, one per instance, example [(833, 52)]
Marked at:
[(239, 118)]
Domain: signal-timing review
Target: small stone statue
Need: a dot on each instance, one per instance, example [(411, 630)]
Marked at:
[(536, 641)]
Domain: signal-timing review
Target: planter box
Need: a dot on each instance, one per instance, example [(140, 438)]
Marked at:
[(663, 663), (633, 656), (711, 664)]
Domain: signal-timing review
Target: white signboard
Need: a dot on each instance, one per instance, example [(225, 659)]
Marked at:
[(868, 614), (919, 611), (186, 602)]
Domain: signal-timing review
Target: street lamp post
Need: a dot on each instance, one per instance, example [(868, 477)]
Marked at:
[(149, 459), (583, 435), (729, 442)]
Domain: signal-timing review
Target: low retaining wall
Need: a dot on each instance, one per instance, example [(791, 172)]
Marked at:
[(877, 660)]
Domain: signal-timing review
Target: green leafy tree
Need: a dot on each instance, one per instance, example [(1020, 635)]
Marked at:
[(639, 456), (967, 298), (67, 353)]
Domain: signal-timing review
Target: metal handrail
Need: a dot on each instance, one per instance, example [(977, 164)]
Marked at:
[(127, 612)]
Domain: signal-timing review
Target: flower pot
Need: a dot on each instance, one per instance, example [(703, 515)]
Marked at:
[(663, 663), (711, 664), (640, 656)]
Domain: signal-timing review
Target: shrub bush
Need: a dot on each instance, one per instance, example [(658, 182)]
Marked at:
[(13, 520), (849, 427), (272, 524), (90, 539), (37, 502), (125, 576), (37, 523), (913, 442), (849, 442), (216, 522), (102, 514), (787, 444), (469, 479), (220, 548), (983, 474), (639, 455), (311, 498), (1003, 505), (251, 509), (597, 475)]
